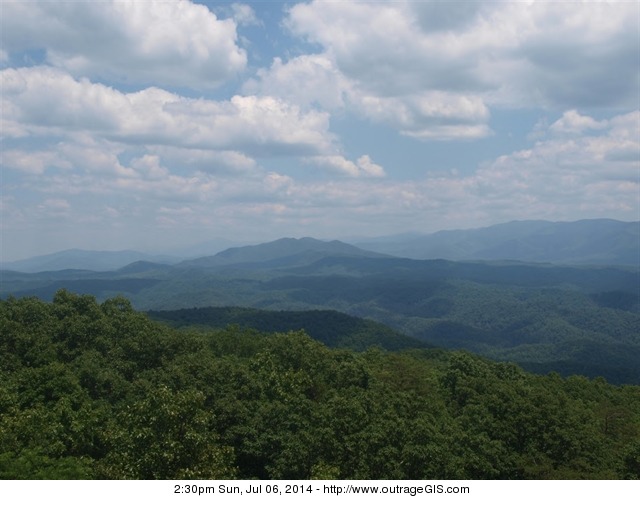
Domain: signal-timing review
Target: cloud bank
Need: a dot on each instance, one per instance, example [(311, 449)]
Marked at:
[(156, 121)]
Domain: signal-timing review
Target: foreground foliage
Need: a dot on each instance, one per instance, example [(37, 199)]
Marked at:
[(91, 390)]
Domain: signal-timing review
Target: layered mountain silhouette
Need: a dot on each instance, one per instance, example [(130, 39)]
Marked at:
[(284, 252), (597, 241), (98, 261), (572, 318)]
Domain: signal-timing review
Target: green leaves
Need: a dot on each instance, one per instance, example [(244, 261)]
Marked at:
[(92, 390), (164, 435)]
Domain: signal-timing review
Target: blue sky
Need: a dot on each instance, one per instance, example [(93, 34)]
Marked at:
[(158, 125)]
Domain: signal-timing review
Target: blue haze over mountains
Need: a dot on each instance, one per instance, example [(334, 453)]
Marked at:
[(571, 304), (596, 241)]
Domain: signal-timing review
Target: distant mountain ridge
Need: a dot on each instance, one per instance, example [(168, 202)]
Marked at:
[(596, 241), (282, 252), (568, 318), (593, 242), (98, 261)]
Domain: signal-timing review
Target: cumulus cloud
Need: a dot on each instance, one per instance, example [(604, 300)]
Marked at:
[(429, 115), (572, 122), (306, 79), (367, 167), (555, 178), (432, 70), (544, 53), (422, 115), (438, 16), (569, 54), (244, 14), (383, 46), (206, 160), (570, 176), (43, 100), (32, 162), (168, 42), (92, 156), (362, 167), (115, 125)]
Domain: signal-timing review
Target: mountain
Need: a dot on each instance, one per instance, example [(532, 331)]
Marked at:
[(207, 248), (597, 241), (332, 328), (98, 261), (569, 318), (285, 252), (142, 266)]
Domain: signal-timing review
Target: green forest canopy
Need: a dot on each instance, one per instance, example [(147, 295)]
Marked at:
[(90, 390)]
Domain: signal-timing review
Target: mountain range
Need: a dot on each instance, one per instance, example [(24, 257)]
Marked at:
[(285, 252), (597, 241), (84, 260), (570, 318), (594, 242)]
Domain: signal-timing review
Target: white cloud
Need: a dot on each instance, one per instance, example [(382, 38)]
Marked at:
[(429, 115), (168, 42), (54, 207), (337, 163), (275, 182), (507, 53), (363, 167), (556, 178), (244, 14), (569, 52), (152, 186), (154, 159), (438, 16), (92, 156), (32, 162), (150, 167), (206, 160), (553, 179), (48, 101), (306, 80), (432, 70), (367, 167), (421, 115), (567, 177)]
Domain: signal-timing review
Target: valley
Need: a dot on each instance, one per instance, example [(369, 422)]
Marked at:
[(568, 318)]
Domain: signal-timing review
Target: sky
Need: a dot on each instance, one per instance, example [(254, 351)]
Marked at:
[(157, 125)]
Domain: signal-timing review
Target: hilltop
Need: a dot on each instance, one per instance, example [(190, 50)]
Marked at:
[(284, 252), (596, 242)]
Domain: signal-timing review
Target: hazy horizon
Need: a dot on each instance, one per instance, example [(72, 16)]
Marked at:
[(177, 123), (213, 246)]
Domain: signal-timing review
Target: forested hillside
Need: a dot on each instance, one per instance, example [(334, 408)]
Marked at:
[(332, 328), (569, 319), (92, 390)]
